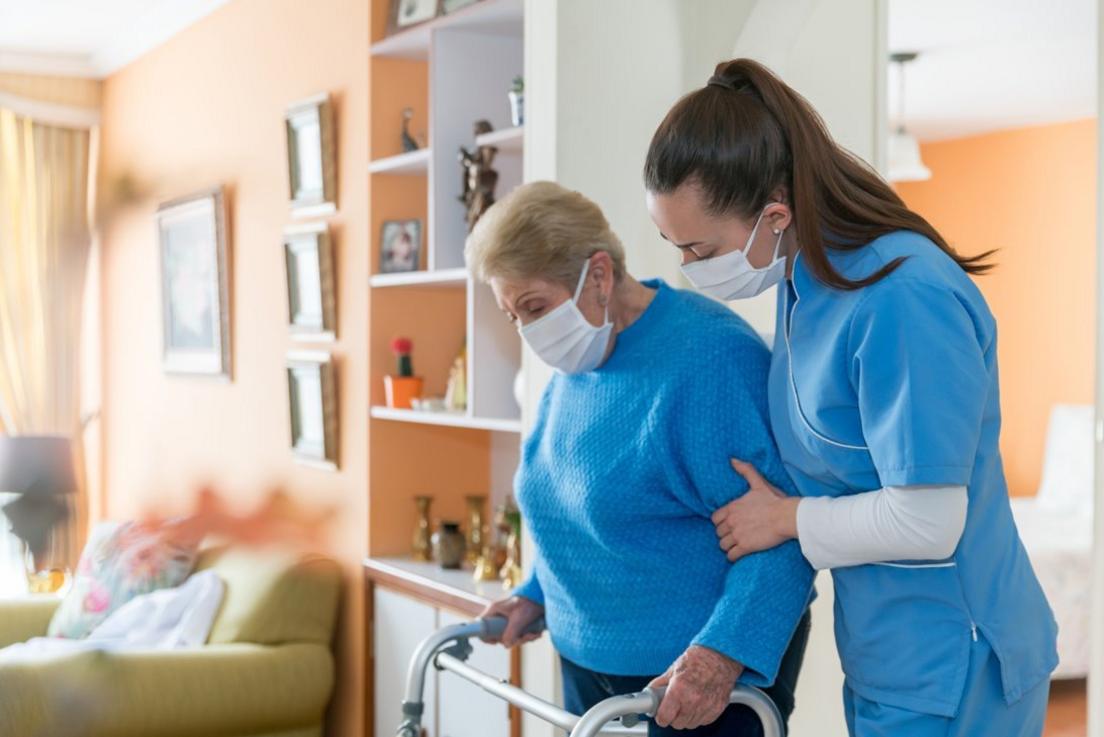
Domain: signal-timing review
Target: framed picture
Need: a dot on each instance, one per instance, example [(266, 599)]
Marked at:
[(313, 408), (400, 245), (312, 305), (407, 13), (195, 292), (312, 159), (451, 6)]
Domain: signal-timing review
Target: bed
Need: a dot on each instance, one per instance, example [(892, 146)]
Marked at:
[(1056, 528)]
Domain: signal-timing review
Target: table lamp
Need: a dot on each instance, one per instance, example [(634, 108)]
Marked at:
[(38, 469)]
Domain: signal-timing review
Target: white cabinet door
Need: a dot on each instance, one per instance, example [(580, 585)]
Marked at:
[(464, 709), (400, 624)]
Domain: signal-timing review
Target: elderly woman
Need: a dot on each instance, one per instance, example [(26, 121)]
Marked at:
[(655, 389)]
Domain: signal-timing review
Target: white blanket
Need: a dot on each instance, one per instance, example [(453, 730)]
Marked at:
[(166, 619)]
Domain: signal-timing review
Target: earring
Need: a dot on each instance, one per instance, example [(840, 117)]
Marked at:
[(777, 231)]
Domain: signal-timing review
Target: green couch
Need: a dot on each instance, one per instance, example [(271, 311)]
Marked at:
[(267, 670)]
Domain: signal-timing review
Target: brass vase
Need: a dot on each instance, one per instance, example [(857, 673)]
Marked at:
[(423, 548), (476, 535)]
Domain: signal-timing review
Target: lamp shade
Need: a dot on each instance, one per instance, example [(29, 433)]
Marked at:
[(905, 164), (37, 465)]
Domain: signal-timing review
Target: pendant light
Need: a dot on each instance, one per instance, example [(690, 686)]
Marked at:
[(905, 164)]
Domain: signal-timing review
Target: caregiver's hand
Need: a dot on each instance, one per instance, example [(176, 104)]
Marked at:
[(698, 685), (519, 613), (759, 520)]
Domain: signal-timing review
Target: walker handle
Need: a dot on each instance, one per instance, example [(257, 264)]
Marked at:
[(493, 627)]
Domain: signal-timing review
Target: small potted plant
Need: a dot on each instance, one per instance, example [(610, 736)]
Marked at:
[(517, 101), (404, 386)]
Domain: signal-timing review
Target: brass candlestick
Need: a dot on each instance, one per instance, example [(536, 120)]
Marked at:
[(423, 549), (476, 536)]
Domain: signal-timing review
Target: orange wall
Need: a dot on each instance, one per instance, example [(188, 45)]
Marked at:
[(207, 108), (1030, 192)]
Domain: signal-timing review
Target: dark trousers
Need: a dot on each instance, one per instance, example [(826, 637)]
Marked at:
[(583, 688)]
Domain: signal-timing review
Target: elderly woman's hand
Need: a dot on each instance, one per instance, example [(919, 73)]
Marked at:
[(698, 685), (519, 613), (759, 520)]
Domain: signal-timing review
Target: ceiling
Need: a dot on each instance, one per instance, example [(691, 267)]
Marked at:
[(984, 64), (990, 64), (89, 38)]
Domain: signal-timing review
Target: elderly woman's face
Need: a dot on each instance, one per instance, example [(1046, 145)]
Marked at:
[(527, 300)]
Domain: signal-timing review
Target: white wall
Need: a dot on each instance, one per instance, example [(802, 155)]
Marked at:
[(600, 76)]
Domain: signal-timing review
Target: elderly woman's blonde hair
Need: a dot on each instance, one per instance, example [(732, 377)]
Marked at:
[(541, 230)]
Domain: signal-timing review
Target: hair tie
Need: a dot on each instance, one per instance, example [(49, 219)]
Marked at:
[(718, 81)]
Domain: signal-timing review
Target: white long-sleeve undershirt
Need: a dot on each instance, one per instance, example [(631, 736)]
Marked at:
[(894, 523)]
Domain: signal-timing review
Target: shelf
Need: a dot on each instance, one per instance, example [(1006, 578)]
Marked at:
[(426, 580), (506, 140), (446, 419), (486, 16), (441, 278), (411, 162)]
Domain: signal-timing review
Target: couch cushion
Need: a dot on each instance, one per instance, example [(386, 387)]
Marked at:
[(119, 562), (274, 597)]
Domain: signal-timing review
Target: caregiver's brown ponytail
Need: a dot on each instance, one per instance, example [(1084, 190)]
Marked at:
[(747, 134)]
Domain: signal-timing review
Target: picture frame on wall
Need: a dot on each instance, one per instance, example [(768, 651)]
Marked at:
[(312, 302), (312, 156), (406, 14), (312, 395), (195, 284), (400, 246)]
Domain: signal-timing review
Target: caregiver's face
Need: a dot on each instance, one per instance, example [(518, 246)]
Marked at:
[(683, 221)]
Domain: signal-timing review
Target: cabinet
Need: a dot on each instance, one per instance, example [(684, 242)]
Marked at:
[(408, 602)]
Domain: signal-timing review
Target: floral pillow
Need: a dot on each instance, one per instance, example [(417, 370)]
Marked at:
[(121, 561)]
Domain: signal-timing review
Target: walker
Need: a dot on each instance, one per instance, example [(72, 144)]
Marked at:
[(448, 649)]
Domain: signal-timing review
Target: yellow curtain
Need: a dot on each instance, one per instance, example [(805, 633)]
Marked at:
[(44, 247)]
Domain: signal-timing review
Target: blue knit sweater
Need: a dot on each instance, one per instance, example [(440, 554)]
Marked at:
[(617, 483)]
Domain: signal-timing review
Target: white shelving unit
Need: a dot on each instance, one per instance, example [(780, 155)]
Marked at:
[(446, 419), (473, 56), (453, 278), (412, 162), (502, 17), (507, 141)]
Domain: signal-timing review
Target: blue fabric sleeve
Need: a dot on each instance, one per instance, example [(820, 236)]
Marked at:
[(922, 383), (530, 588), (766, 593)]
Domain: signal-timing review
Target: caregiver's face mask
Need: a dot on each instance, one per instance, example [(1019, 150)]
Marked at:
[(732, 276), (565, 339)]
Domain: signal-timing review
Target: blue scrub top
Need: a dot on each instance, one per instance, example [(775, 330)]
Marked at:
[(895, 384)]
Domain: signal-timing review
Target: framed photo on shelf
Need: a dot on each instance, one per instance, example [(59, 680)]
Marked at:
[(407, 13), (312, 303), (312, 395), (195, 284), (312, 158), (400, 246)]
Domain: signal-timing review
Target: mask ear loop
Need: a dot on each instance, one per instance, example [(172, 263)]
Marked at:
[(581, 284), (582, 281)]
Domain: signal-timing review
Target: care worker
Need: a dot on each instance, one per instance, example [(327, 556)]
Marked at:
[(884, 403)]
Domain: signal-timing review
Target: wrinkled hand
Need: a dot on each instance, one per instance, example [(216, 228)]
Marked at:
[(698, 685), (759, 520), (519, 613)]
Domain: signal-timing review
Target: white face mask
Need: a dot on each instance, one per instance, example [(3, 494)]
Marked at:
[(732, 276), (565, 339)]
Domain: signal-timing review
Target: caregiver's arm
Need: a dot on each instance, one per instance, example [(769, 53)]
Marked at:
[(894, 523)]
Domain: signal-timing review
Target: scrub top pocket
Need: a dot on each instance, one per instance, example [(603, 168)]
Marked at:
[(904, 633)]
